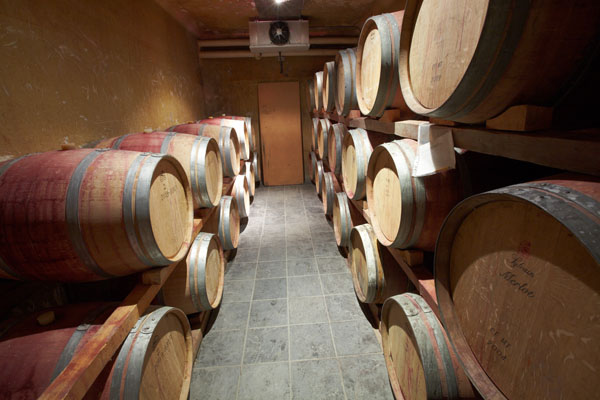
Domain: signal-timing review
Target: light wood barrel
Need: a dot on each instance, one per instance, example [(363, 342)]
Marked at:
[(311, 94), (506, 55), (419, 359), (229, 223), (342, 220), (375, 275), (196, 284), (337, 132), (250, 178), (322, 137), (319, 176), (242, 195), (91, 214), (407, 212), (155, 361), (240, 129), (356, 152), (199, 156), (377, 87), (225, 137), (256, 165), (318, 89), (329, 86), (315, 138), (248, 125), (328, 190), (345, 99), (531, 252)]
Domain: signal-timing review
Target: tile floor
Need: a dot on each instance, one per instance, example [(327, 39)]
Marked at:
[(289, 326)]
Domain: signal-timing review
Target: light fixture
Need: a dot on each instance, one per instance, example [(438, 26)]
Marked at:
[(280, 1)]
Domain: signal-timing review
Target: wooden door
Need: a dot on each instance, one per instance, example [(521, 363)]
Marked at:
[(281, 133)]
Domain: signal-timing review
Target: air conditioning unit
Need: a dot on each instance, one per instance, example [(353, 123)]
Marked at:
[(278, 36)]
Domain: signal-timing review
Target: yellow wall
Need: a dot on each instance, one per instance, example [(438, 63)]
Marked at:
[(80, 70)]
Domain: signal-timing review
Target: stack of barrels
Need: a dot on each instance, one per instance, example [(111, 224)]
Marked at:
[(124, 207), (515, 267)]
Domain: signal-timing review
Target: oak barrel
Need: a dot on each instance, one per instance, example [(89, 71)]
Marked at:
[(406, 211), (329, 86), (225, 137), (252, 137), (196, 283), (377, 87), (329, 188), (256, 166), (90, 214), (250, 178), (419, 360), (228, 227), (155, 361), (310, 84), (336, 135), (322, 137), (312, 166), (240, 129), (314, 140), (318, 89), (510, 53), (356, 152), (319, 177), (242, 195), (199, 156), (342, 219), (345, 99), (517, 283), (375, 275)]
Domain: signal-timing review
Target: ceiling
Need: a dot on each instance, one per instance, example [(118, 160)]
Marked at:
[(209, 19)]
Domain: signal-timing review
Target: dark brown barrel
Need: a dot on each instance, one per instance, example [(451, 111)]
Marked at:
[(322, 137), (199, 156), (517, 283), (406, 211), (155, 360), (377, 87), (345, 99), (329, 86), (510, 53), (421, 365), (337, 132), (314, 145), (318, 82), (84, 215), (310, 84), (356, 152), (312, 166)]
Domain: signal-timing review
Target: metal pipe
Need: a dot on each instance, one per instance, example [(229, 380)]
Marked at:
[(248, 54), (341, 40)]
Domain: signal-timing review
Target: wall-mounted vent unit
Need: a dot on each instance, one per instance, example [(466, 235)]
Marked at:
[(279, 36)]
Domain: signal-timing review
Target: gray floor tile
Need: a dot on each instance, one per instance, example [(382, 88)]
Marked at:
[(240, 271), (272, 253), (273, 240), (300, 286), (221, 348), (365, 377), (354, 337), (316, 210), (268, 313), (326, 249), (271, 269), (343, 307), (332, 265), (274, 220), (302, 267), (296, 218), (275, 288), (235, 291), (337, 283), (295, 228), (266, 345), (214, 383), (232, 316), (307, 310), (299, 250), (317, 380), (249, 240), (246, 255), (265, 382), (298, 237), (311, 341), (273, 230), (322, 236)]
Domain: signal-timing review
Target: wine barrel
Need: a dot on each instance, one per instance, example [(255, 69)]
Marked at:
[(225, 137), (337, 132), (312, 167), (319, 177), (531, 252), (248, 125), (322, 137), (155, 360), (318, 88), (419, 359), (249, 175), (407, 212), (345, 99), (329, 86), (199, 156), (256, 165), (311, 94), (242, 195), (196, 283), (377, 87), (506, 55), (229, 223), (91, 214), (342, 220), (356, 152), (375, 275), (240, 130), (315, 138), (329, 188)]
